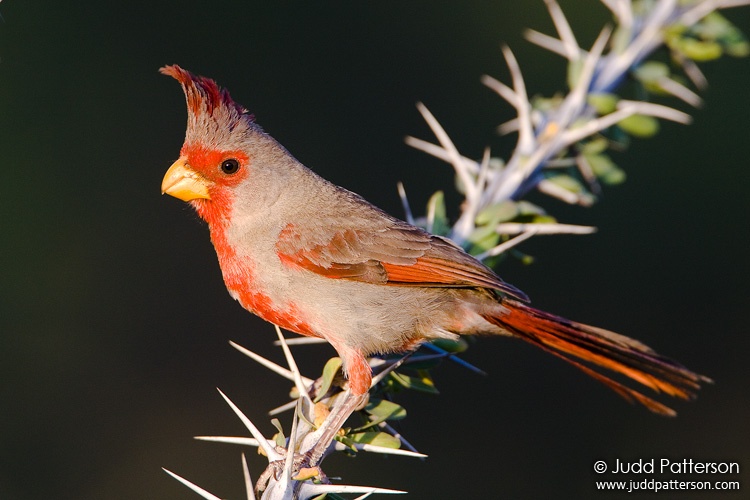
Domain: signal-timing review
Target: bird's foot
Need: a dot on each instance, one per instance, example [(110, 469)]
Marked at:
[(313, 447), (300, 470)]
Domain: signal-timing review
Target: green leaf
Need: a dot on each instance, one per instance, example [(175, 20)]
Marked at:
[(279, 438), (499, 212), (423, 384), (595, 146), (376, 438), (651, 71), (718, 28), (546, 104), (387, 410), (454, 346), (714, 27), (481, 233), (436, 206), (382, 410), (698, 50), (574, 72), (605, 169), (640, 125), (481, 245), (543, 219), (329, 372), (738, 48), (567, 182), (604, 103), (528, 208), (620, 40)]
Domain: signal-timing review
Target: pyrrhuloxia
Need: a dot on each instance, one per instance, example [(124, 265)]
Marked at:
[(316, 259)]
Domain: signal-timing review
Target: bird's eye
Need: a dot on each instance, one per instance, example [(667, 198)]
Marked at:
[(230, 166)]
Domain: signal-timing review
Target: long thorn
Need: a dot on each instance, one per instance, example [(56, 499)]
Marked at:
[(271, 453), (455, 157), (205, 494), (248, 480), (302, 387)]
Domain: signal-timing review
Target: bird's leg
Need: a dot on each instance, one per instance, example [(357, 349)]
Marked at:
[(315, 445), (346, 403), (359, 374), (321, 439)]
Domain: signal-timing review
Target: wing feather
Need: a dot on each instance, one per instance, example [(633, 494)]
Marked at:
[(398, 255)]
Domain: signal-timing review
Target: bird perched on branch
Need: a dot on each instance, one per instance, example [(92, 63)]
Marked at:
[(316, 259)]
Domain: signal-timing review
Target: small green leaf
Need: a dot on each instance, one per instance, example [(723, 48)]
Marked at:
[(381, 410), (376, 438), (543, 219), (651, 71), (605, 169), (713, 27), (738, 48), (718, 28), (698, 50), (417, 384), (329, 372), (499, 212), (620, 40), (480, 245), (567, 182), (454, 346), (595, 146), (574, 72), (528, 208), (640, 125), (546, 104), (279, 438), (481, 233), (604, 103), (436, 207), (275, 422), (496, 163), (387, 410), (459, 184)]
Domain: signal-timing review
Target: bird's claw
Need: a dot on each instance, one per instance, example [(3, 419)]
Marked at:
[(301, 470)]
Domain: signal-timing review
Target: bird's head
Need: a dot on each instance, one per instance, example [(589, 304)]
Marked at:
[(222, 144)]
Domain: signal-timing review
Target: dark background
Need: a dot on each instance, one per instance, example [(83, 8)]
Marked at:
[(114, 320)]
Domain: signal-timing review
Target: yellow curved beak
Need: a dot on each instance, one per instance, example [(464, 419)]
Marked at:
[(184, 183)]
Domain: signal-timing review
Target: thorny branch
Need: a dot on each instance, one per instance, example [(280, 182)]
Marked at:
[(560, 152)]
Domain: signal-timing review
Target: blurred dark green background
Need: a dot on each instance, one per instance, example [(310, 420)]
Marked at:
[(114, 320)]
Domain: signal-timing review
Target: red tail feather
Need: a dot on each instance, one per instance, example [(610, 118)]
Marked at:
[(576, 342)]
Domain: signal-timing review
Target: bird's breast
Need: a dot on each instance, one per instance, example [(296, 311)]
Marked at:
[(287, 316), (257, 284)]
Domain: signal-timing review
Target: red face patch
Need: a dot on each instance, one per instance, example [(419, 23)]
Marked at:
[(208, 163)]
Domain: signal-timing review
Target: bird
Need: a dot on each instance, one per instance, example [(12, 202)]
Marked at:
[(319, 260)]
